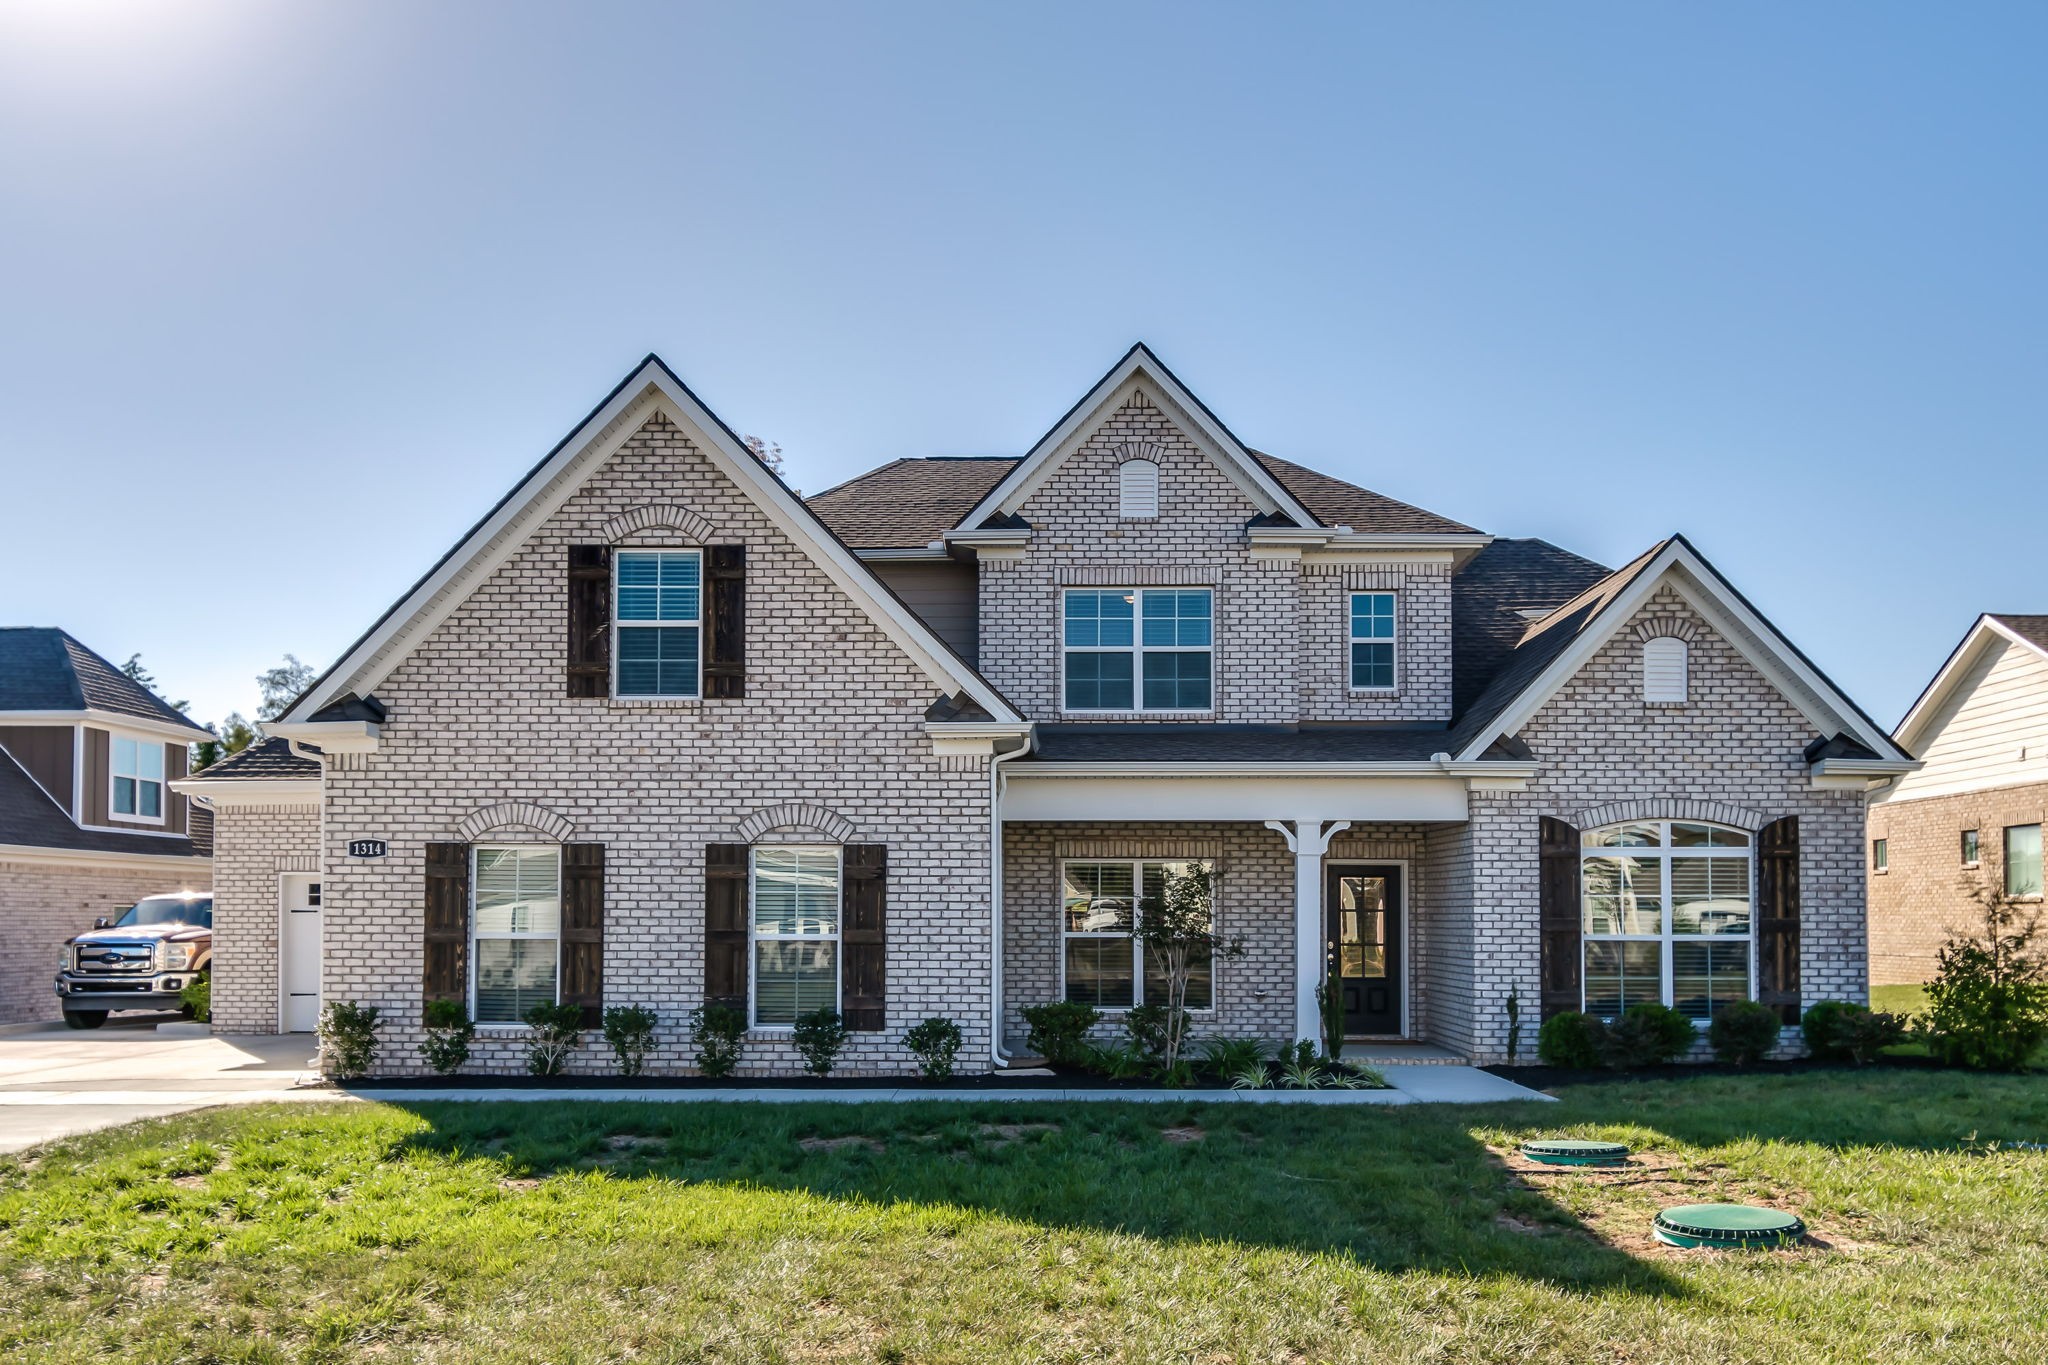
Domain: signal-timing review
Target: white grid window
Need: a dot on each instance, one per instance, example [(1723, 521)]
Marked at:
[(1372, 642), (1666, 917), (1138, 649), (138, 768), (795, 917), (657, 618), (1102, 964), (515, 923)]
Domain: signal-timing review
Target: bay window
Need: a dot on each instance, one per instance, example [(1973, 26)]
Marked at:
[(1101, 963), (1666, 917), (1138, 649), (515, 930), (794, 899)]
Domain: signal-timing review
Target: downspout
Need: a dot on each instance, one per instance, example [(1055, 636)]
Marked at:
[(995, 911)]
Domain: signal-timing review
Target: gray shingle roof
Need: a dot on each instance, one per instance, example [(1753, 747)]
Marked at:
[(1337, 503), (28, 817), (1489, 598), (272, 760), (45, 669), (1232, 744), (2033, 629)]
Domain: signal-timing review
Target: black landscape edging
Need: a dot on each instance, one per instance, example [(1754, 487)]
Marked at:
[(1543, 1077), (585, 1081)]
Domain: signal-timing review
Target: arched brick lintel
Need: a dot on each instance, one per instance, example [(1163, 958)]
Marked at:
[(797, 815), (515, 815), (1671, 808), (659, 517)]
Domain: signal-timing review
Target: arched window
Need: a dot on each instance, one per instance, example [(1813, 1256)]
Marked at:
[(1665, 912), (1664, 669), (1137, 490)]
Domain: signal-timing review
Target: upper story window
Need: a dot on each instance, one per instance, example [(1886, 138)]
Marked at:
[(1372, 641), (1664, 669), (1137, 487), (1138, 649), (2023, 860), (515, 927), (1666, 916), (795, 894), (658, 617), (138, 778)]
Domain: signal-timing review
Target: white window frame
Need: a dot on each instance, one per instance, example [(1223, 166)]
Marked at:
[(703, 589), (1137, 866), (1880, 855), (1975, 847), (475, 937), (1137, 650), (1663, 854), (162, 781), (1393, 642), (837, 938), (2005, 862)]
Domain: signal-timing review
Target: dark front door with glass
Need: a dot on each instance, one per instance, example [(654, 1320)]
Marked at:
[(1363, 905)]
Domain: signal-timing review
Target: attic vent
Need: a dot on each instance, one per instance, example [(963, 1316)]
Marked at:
[(1137, 490), (1664, 669)]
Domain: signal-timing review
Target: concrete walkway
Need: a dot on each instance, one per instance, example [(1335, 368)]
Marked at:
[(58, 1082)]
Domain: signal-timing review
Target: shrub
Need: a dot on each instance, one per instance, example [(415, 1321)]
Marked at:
[(1330, 1012), (1059, 1031), (1839, 1031), (1823, 1025), (197, 998), (1646, 1035), (1121, 1063), (1228, 1057), (1514, 1026), (819, 1036), (348, 1038), (1570, 1039), (934, 1042), (1744, 1032), (716, 1031), (1251, 1076), (1151, 1030), (630, 1031), (557, 1032), (1988, 1002), (449, 1033)]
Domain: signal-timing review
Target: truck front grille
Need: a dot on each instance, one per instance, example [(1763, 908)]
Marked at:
[(115, 959)]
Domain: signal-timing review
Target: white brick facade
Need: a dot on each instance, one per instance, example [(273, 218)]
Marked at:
[(254, 846)]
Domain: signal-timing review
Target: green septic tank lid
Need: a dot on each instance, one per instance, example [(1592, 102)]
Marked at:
[(1727, 1225), (1575, 1152)]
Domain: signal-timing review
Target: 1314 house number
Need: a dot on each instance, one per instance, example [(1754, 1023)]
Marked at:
[(367, 848)]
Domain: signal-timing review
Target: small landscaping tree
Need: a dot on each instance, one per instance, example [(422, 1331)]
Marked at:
[(717, 1031), (630, 1031), (1988, 1002), (934, 1042), (1179, 934), (557, 1032), (449, 1033), (819, 1036), (1744, 1032), (348, 1039), (1330, 1007)]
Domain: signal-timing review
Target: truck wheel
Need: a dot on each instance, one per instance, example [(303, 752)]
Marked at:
[(85, 1018)]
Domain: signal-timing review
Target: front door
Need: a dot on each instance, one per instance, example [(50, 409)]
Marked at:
[(1363, 905), (299, 954)]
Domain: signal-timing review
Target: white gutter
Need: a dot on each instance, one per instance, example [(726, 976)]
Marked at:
[(79, 857), (1443, 767), (995, 902), (332, 736)]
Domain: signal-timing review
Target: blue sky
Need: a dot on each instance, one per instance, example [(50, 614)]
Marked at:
[(295, 292)]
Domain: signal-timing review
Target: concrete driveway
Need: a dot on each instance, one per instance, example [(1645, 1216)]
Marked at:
[(56, 1081)]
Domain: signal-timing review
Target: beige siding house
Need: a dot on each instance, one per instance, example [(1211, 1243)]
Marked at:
[(660, 732)]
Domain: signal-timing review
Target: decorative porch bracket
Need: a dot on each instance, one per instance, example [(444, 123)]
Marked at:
[(1309, 840)]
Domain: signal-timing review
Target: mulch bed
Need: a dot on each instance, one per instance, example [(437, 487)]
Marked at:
[(997, 1081), (1544, 1077)]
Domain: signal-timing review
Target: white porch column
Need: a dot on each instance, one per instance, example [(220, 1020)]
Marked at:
[(1309, 840)]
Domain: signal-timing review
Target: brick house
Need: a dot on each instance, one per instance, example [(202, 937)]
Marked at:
[(1971, 817), (89, 823), (658, 731)]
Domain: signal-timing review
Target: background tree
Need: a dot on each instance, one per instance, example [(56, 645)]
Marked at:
[(134, 671), (230, 736), (282, 686)]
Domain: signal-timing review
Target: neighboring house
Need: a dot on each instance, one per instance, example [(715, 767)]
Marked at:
[(660, 732), (89, 822), (1971, 817)]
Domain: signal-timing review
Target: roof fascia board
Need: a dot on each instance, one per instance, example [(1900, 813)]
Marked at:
[(1961, 660), (1109, 393), (1753, 637), (69, 857), (1308, 769), (187, 733)]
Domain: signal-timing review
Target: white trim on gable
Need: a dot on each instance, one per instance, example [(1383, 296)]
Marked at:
[(1965, 657), (1138, 371), (1757, 640), (650, 389)]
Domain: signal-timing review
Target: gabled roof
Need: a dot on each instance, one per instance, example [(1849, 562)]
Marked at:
[(1139, 366), (651, 388), (1337, 503), (1987, 632), (29, 818), (43, 668), (270, 760), (1554, 648), (1494, 597)]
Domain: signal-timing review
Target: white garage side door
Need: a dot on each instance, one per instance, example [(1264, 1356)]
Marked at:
[(299, 954)]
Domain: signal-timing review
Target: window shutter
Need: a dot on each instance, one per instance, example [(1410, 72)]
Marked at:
[(445, 938), (1558, 891), (1777, 917), (583, 930), (1664, 669), (863, 898), (725, 621), (590, 620), (725, 925)]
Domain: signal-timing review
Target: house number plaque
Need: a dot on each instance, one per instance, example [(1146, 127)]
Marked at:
[(367, 848)]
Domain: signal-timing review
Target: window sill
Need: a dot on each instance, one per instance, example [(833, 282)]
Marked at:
[(1375, 693), (653, 703), (1138, 715)]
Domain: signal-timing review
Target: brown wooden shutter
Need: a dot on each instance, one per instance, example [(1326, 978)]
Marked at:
[(725, 925), (590, 620), (583, 930), (446, 935), (725, 621), (863, 938), (1777, 917), (1558, 916)]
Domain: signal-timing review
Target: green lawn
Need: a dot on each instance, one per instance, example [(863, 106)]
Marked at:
[(975, 1232), (1899, 999)]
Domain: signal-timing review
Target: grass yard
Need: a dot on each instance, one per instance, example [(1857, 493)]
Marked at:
[(978, 1232), (1899, 999)]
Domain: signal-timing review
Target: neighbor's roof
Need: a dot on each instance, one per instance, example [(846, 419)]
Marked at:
[(43, 668), (270, 760), (909, 503), (2032, 629), (30, 819)]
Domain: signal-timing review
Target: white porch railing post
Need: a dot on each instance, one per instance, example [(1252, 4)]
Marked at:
[(1309, 840)]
